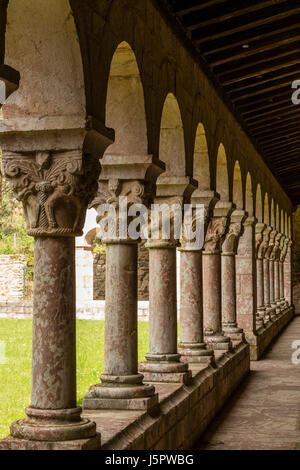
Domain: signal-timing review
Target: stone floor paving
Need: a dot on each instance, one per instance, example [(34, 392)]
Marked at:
[(264, 413)]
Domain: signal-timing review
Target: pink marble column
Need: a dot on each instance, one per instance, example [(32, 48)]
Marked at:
[(272, 273), (259, 252), (276, 254), (53, 387), (54, 210), (229, 250), (121, 386), (266, 271), (288, 274), (212, 287), (192, 346), (283, 254), (163, 360)]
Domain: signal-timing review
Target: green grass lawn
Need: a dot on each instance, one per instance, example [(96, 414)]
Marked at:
[(15, 370)]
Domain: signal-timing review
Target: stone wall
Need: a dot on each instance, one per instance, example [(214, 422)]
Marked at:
[(12, 277), (143, 274), (296, 260)]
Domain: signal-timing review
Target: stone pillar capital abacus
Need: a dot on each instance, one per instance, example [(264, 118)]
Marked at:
[(261, 242), (235, 230), (218, 227)]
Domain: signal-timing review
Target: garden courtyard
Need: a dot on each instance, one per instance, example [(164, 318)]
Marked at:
[(15, 365)]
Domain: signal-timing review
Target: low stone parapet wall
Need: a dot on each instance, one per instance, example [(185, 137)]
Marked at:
[(12, 277), (184, 411), (260, 341)]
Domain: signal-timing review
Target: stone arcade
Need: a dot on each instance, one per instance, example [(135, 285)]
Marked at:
[(105, 98)]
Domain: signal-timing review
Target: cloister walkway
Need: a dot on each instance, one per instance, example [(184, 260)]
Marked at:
[(264, 413)]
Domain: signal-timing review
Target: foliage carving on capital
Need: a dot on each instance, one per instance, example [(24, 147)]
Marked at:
[(215, 234), (284, 250), (275, 255), (230, 244), (55, 189), (263, 244)]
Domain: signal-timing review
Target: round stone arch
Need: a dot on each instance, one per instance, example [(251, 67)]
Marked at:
[(222, 174), (42, 43), (259, 210), (237, 186), (249, 196), (171, 142), (266, 209), (201, 161), (273, 214), (278, 220), (201, 138), (125, 104)]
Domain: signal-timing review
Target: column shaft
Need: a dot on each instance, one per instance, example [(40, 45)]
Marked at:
[(229, 320), (163, 361), (120, 354), (267, 284), (212, 302), (122, 386), (54, 325), (192, 347)]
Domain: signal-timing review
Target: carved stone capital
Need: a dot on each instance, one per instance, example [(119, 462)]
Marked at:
[(215, 234), (284, 250), (235, 230), (125, 181), (55, 188), (275, 254), (260, 246), (270, 247)]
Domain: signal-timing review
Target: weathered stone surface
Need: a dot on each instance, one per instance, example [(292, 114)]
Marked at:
[(12, 277)]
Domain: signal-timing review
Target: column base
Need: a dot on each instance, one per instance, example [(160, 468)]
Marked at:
[(278, 307), (218, 342), (260, 320), (195, 353), (53, 426), (233, 331), (121, 393), (11, 443), (165, 368)]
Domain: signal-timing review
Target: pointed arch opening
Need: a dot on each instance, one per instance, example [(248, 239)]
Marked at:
[(259, 204), (171, 141), (201, 170), (237, 189), (125, 104), (222, 177)]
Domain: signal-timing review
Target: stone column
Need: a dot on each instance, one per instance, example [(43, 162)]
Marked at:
[(266, 271), (270, 255), (283, 254), (259, 254), (192, 346), (55, 188), (288, 274), (246, 279), (212, 287), (276, 254), (229, 250), (163, 360), (121, 385)]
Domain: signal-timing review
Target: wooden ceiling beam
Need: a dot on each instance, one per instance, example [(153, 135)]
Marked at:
[(254, 71), (236, 26), (237, 52)]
